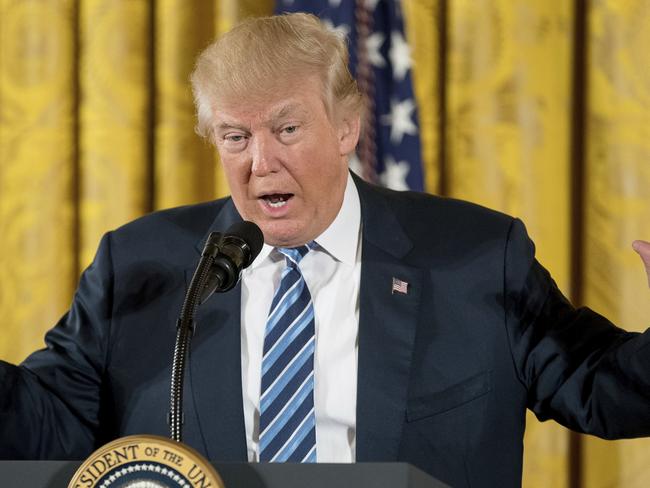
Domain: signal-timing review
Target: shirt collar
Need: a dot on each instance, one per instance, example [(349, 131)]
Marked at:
[(341, 238)]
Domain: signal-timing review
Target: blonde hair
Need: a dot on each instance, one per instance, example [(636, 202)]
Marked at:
[(257, 55)]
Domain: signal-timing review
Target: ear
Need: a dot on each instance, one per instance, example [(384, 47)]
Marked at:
[(348, 133)]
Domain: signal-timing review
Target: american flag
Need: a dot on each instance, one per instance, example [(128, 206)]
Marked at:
[(380, 59), (399, 286)]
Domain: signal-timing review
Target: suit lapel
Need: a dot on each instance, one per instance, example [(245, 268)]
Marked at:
[(215, 365), (387, 325)]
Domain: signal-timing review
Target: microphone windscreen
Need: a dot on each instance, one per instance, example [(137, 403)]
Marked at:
[(250, 233)]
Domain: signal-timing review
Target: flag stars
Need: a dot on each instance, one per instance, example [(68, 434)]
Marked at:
[(400, 55), (400, 120), (373, 45), (396, 146), (342, 30), (395, 173)]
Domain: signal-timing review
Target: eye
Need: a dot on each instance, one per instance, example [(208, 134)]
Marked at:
[(233, 141), (234, 137), (290, 129)]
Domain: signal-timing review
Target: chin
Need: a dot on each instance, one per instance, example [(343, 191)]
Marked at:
[(283, 241), (283, 235)]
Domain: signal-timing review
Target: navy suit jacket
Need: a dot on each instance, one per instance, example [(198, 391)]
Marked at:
[(445, 374)]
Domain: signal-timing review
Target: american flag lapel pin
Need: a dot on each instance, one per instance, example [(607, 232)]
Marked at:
[(399, 286)]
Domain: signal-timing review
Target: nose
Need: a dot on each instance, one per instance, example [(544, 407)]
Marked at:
[(263, 155)]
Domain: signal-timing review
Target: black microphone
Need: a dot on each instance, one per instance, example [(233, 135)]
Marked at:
[(222, 259), (231, 252)]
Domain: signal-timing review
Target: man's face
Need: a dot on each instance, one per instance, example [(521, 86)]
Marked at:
[(285, 161)]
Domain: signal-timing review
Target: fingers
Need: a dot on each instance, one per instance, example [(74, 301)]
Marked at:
[(643, 249)]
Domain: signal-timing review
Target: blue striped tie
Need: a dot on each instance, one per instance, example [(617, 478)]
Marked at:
[(287, 420)]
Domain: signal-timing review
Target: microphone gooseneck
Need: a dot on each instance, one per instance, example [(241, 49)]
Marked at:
[(223, 258)]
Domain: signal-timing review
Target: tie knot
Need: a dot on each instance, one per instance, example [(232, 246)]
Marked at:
[(295, 254)]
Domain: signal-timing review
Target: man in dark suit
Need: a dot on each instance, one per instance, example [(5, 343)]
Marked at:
[(446, 325)]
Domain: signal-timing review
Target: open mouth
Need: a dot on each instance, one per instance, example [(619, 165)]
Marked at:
[(277, 200)]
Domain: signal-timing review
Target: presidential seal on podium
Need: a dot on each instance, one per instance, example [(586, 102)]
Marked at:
[(145, 461)]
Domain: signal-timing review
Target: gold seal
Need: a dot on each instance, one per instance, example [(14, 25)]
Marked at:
[(145, 461)]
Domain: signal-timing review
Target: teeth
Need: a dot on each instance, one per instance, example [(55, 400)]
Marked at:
[(277, 200), (277, 204)]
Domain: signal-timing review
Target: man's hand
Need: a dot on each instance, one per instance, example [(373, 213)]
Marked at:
[(643, 248)]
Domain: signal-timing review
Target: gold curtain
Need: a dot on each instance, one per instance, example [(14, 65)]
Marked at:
[(519, 110), (114, 121), (503, 80), (37, 213), (508, 133), (617, 208)]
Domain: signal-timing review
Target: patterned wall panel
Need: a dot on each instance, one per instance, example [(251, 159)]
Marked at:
[(115, 128), (509, 115), (184, 164), (36, 170)]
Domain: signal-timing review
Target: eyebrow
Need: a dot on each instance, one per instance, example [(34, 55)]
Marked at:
[(234, 125), (288, 110), (282, 112)]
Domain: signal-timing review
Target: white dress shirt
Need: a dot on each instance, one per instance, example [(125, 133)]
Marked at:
[(332, 272)]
